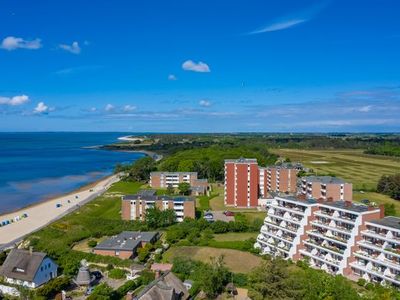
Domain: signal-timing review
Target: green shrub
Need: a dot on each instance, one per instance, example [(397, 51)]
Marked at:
[(92, 243), (361, 282), (117, 273)]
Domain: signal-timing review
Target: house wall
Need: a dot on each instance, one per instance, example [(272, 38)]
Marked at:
[(126, 210), (189, 209), (46, 271), (230, 184), (122, 254)]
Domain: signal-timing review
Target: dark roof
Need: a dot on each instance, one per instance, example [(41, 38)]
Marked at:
[(22, 264), (324, 179), (166, 287), (305, 201), (126, 240), (145, 193), (347, 205), (392, 222)]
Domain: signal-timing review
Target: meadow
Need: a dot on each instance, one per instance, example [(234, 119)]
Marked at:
[(235, 260), (363, 170)]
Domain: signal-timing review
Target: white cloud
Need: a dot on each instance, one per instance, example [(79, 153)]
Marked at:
[(205, 103), (128, 108), (74, 48), (93, 109), (12, 43), (280, 26), (41, 108), (109, 107), (14, 101), (172, 77), (366, 108), (201, 67)]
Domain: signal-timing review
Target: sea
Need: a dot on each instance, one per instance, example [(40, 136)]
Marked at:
[(39, 166)]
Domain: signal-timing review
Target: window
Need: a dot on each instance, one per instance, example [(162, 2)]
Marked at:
[(117, 253), (41, 269)]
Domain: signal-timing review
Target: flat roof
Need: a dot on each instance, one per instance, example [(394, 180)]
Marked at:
[(126, 240), (392, 222), (294, 198), (324, 179), (347, 205)]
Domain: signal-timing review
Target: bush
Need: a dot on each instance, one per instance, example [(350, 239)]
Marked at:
[(369, 286), (361, 282), (117, 274), (92, 243), (54, 286)]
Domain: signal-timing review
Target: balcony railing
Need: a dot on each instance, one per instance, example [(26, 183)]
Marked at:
[(341, 229), (334, 239)]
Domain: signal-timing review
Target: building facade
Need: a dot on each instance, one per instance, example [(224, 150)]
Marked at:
[(165, 179), (326, 187), (27, 268), (377, 255), (241, 182), (339, 237), (281, 179), (134, 206)]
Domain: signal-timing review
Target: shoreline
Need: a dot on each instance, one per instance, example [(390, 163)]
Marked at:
[(46, 212), (85, 186)]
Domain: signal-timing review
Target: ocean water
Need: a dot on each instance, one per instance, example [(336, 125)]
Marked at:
[(38, 166)]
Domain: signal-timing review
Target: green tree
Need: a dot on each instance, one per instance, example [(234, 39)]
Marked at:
[(140, 170), (101, 292), (170, 189), (184, 188)]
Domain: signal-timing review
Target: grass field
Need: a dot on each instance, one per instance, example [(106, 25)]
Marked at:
[(234, 236), (361, 169), (236, 261), (377, 198)]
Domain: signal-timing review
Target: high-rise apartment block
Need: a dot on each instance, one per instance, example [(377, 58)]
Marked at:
[(326, 187), (246, 182), (241, 182), (339, 237)]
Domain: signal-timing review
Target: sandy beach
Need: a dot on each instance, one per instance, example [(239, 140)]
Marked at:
[(44, 213)]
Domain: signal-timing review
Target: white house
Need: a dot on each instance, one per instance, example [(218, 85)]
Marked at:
[(28, 268)]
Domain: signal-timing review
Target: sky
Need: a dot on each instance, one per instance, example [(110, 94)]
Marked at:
[(200, 66)]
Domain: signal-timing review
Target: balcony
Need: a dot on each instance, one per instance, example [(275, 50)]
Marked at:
[(278, 234), (329, 227), (370, 269), (378, 259), (340, 218), (388, 236), (326, 259), (332, 238), (321, 246), (293, 209), (271, 243), (281, 226)]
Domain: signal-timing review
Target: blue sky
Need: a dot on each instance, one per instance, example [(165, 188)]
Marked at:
[(201, 66)]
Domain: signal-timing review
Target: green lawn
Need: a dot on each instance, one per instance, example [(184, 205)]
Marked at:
[(377, 198), (234, 236), (124, 187), (363, 170), (237, 261)]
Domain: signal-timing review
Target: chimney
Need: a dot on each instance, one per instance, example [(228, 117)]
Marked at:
[(320, 200), (382, 211), (347, 203), (330, 199), (157, 274), (30, 250), (129, 295)]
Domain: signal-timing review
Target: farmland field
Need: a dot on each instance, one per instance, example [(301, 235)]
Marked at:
[(361, 169), (237, 261)]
